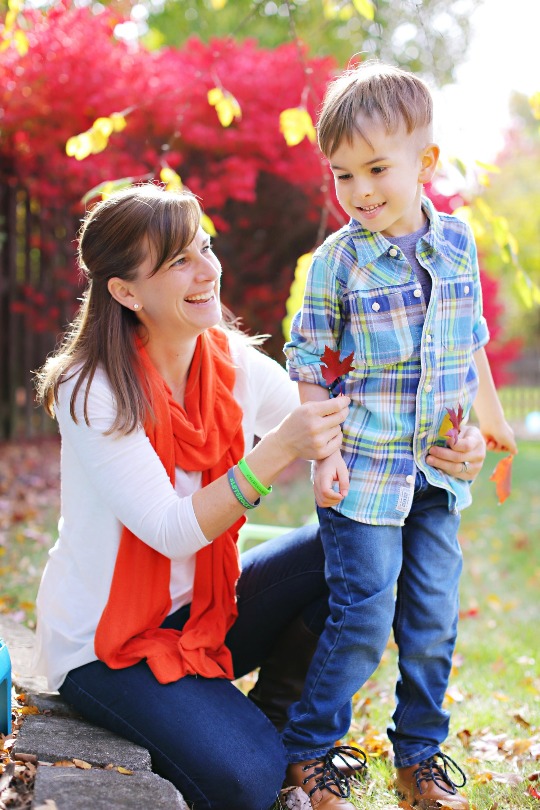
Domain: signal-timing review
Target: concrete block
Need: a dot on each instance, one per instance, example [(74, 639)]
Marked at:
[(55, 738), (76, 789)]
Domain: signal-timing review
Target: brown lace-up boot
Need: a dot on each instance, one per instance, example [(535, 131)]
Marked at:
[(325, 785), (428, 784)]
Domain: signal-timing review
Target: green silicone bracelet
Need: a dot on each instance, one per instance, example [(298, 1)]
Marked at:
[(238, 493), (252, 478)]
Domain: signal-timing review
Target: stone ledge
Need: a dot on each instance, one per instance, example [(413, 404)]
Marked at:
[(75, 789), (59, 738)]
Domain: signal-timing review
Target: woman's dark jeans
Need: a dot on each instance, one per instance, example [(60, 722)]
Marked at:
[(203, 734)]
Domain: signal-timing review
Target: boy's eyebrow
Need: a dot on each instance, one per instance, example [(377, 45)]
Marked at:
[(367, 163)]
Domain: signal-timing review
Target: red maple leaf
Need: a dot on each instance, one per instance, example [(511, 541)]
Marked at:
[(502, 475), (334, 367), (456, 419)]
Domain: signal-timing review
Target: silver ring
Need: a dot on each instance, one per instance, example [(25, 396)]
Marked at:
[(465, 466)]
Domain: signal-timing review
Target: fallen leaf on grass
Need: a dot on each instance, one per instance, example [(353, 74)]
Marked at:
[(534, 792), (502, 476), (513, 779), (333, 367)]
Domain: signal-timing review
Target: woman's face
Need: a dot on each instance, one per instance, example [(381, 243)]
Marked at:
[(182, 297)]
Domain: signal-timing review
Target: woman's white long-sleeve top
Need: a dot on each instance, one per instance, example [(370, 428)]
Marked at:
[(110, 481)]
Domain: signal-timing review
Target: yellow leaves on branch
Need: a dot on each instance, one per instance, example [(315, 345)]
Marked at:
[(295, 124), (332, 9), (227, 107), (534, 101), (12, 35), (95, 139), (173, 182), (296, 294), (484, 222)]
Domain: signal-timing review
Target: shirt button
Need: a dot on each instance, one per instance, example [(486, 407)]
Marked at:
[(466, 289), (393, 252), (375, 306), (428, 338), (428, 389), (410, 479), (417, 293)]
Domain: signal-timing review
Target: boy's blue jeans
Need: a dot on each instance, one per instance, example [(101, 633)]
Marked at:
[(364, 564), (203, 734)]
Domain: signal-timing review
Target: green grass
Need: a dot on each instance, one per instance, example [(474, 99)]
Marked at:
[(494, 694)]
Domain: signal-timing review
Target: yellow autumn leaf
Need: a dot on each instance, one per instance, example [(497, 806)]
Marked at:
[(488, 167), (103, 125), (107, 188), (214, 95), (171, 179), (336, 10), (99, 140), (208, 226), (295, 124), (125, 771), (27, 710), (21, 42), (227, 107), (118, 121), (296, 293), (218, 4), (365, 8), (446, 425), (534, 101)]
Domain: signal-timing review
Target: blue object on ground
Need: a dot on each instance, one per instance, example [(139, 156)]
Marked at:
[(5, 689)]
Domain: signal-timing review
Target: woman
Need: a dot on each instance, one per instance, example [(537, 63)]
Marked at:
[(143, 615)]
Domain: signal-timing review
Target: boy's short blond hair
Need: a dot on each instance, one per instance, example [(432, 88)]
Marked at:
[(375, 91)]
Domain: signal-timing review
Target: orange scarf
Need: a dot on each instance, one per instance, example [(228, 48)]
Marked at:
[(206, 436)]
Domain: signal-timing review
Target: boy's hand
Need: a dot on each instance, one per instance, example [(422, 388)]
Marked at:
[(499, 436), (325, 473)]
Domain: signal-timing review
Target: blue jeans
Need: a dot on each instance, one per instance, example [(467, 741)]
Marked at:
[(203, 734), (364, 566)]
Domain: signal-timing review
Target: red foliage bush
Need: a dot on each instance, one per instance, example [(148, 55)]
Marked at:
[(265, 198)]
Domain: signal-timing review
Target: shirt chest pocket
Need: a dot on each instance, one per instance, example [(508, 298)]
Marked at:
[(456, 313), (380, 326)]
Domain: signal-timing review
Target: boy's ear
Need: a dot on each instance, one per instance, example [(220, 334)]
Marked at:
[(429, 159)]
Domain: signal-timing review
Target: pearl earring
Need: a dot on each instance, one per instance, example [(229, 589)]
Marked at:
[(135, 306)]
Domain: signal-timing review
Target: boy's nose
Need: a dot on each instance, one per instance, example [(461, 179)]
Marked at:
[(362, 189)]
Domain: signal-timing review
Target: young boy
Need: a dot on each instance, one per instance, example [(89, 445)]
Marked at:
[(399, 288)]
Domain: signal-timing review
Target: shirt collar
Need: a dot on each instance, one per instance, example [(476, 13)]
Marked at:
[(370, 246)]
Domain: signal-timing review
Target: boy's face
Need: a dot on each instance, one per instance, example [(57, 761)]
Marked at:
[(379, 180)]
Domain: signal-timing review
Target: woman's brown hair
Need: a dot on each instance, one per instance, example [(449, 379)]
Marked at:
[(115, 238)]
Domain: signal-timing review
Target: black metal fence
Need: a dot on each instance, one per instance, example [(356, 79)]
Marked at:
[(38, 291)]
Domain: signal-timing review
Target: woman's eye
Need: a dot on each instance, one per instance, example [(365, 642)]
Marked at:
[(207, 247), (344, 176), (378, 169), (179, 261)]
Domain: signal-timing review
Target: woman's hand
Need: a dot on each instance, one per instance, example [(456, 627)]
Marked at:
[(313, 430), (465, 459)]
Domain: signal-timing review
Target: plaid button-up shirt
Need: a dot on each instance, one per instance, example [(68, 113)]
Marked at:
[(411, 362)]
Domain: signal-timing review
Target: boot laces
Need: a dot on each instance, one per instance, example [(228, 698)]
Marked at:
[(327, 775), (429, 770)]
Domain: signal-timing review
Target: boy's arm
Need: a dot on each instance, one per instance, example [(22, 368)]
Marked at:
[(330, 469), (494, 427)]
